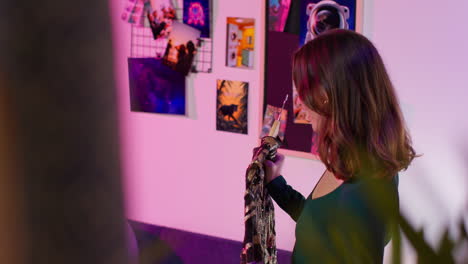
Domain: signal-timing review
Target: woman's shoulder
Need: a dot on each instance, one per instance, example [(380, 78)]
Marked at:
[(371, 199), (363, 181), (371, 189)]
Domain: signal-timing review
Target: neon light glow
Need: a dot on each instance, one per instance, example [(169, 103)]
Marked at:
[(196, 15)]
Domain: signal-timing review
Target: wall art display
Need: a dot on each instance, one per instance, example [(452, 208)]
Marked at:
[(240, 42), (271, 114), (151, 38), (285, 34), (278, 11), (197, 14), (155, 87), (231, 106), (278, 83), (181, 47), (318, 16)]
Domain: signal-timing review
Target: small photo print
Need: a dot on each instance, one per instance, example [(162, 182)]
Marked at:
[(314, 146), (271, 114), (181, 47), (240, 42), (301, 115), (231, 106), (278, 11), (155, 87), (135, 12), (197, 14), (160, 19)]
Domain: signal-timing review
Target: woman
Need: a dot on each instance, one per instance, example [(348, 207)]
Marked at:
[(363, 143)]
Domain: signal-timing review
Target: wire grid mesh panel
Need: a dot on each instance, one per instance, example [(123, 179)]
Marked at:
[(143, 45)]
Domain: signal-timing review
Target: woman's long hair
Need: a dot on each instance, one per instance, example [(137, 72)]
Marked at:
[(341, 76)]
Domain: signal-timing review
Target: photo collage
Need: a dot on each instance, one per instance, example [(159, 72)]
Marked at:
[(157, 82), (179, 25)]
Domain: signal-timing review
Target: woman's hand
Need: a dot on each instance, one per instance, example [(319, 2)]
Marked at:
[(273, 168)]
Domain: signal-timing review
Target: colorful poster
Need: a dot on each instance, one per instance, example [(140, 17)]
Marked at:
[(160, 19), (197, 14), (278, 11), (301, 113), (305, 20), (318, 16), (271, 114), (314, 148), (155, 87), (181, 47), (231, 106), (135, 11), (240, 42)]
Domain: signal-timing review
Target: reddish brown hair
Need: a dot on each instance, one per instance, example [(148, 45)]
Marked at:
[(341, 76)]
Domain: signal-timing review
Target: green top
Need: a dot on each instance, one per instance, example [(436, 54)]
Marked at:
[(348, 225)]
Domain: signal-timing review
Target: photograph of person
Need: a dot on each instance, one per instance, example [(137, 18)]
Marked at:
[(181, 47)]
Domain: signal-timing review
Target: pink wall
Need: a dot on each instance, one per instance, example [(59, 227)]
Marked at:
[(181, 172)]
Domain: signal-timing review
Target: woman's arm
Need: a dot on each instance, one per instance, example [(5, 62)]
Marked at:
[(286, 197)]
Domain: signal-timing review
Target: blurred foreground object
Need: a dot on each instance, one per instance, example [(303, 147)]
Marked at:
[(448, 250), (60, 188)]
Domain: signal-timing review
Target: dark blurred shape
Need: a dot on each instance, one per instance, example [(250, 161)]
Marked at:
[(11, 204), (165, 245), (61, 199), (132, 244)]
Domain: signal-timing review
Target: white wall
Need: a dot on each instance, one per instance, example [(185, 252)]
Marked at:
[(424, 46), (180, 172)]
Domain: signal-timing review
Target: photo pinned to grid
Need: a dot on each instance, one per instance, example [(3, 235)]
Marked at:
[(203, 58), (143, 45)]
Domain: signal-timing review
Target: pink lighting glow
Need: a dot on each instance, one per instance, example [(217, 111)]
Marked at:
[(182, 173)]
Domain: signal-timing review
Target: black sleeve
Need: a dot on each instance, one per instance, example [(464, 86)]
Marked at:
[(286, 197)]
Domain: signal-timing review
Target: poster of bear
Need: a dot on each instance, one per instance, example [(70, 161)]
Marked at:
[(231, 106)]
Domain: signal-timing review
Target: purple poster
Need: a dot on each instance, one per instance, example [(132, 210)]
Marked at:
[(197, 14), (155, 87)]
